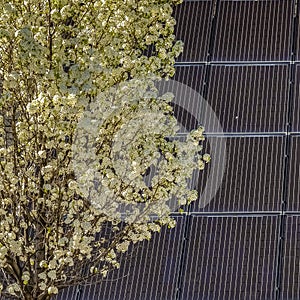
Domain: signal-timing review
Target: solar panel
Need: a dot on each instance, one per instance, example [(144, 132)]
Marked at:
[(291, 259), (73, 293), (252, 178), (230, 258), (297, 31), (293, 196), (249, 98), (191, 76), (150, 273), (194, 20), (187, 87), (295, 106), (253, 30)]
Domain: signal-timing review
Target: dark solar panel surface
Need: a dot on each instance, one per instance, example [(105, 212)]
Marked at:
[(240, 78), (297, 32), (295, 105), (293, 193), (291, 259), (249, 98), (253, 30), (194, 21), (231, 258), (150, 273), (253, 177)]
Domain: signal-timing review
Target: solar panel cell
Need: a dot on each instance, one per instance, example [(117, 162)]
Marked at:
[(293, 191), (187, 87), (253, 31), (231, 258), (194, 20), (291, 259), (295, 104), (150, 273), (248, 98), (252, 179)]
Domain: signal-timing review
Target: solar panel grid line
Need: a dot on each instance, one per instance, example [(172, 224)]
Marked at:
[(263, 257), (245, 134), (234, 63), (239, 95), (68, 293), (242, 28), (278, 263), (289, 113), (287, 163), (190, 64), (131, 288), (267, 257), (292, 190), (236, 245), (262, 190), (295, 213), (266, 97), (240, 214), (138, 271), (287, 182), (199, 1), (206, 269), (195, 260), (212, 243), (185, 28)]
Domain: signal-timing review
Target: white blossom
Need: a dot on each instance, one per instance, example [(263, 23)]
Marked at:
[(74, 79)]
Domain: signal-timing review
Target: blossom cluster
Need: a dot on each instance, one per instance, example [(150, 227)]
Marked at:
[(76, 85)]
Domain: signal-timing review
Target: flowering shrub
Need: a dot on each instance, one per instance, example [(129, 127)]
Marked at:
[(81, 125)]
